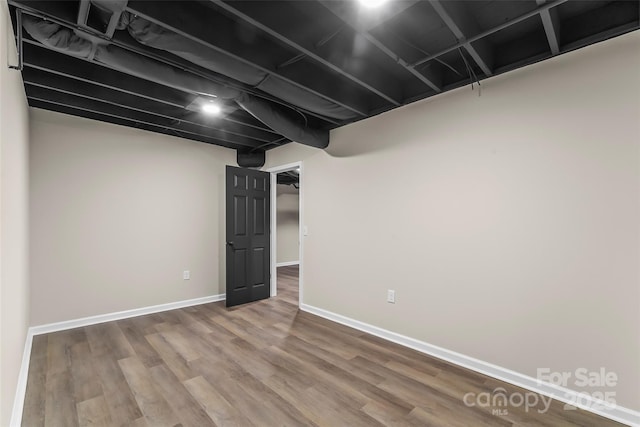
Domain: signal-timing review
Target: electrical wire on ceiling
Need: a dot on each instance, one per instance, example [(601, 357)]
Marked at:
[(472, 74), (418, 48), (466, 64)]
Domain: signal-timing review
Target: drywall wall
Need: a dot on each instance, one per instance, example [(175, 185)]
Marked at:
[(14, 285), (287, 228), (508, 224), (118, 214)]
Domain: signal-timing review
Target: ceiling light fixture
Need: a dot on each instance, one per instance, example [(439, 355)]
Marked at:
[(372, 3), (211, 108)]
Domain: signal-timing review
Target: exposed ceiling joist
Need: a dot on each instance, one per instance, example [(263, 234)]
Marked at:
[(461, 25), (374, 82), (113, 23), (288, 178), (47, 10), (124, 40), (83, 12), (200, 31), (430, 77), (490, 31), (100, 115), (302, 67), (391, 10), (351, 11), (551, 25), (83, 17), (603, 35), (87, 90), (88, 104), (122, 121), (41, 58)]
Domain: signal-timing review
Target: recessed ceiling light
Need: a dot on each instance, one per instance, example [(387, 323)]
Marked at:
[(211, 108), (372, 3)]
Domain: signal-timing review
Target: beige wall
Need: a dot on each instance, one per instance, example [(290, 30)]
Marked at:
[(14, 286), (508, 224), (118, 214), (287, 214)]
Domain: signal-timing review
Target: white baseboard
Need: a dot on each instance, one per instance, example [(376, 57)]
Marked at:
[(619, 413), (563, 394), (21, 389), (287, 263), (109, 317), (18, 404)]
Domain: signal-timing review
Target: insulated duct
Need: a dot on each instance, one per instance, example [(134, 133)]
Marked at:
[(146, 68), (250, 159), (57, 37), (272, 117), (156, 36), (66, 41)]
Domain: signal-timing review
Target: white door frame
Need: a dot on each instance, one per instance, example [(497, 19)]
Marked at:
[(274, 182)]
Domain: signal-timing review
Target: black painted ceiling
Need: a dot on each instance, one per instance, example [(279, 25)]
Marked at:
[(363, 61)]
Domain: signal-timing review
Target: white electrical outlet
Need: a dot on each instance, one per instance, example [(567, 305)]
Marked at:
[(186, 275), (391, 296)]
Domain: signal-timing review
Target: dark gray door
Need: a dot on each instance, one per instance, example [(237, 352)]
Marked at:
[(248, 235)]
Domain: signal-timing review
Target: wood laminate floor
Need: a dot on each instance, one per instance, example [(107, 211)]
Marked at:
[(261, 364)]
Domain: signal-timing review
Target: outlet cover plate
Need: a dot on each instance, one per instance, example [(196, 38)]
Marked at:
[(391, 296)]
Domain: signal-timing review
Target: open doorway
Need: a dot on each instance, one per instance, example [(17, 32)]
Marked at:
[(286, 232)]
